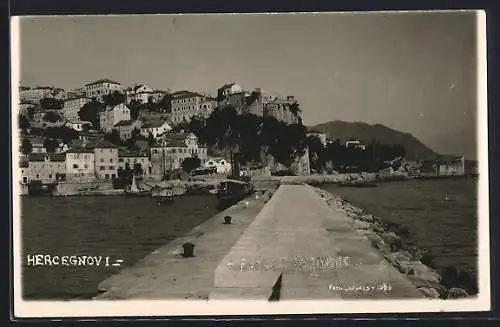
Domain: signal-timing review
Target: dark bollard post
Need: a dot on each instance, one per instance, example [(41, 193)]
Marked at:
[(188, 250), (227, 220)]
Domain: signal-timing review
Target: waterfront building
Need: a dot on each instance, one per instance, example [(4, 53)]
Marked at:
[(113, 115), (46, 167), (355, 144), (155, 127), (80, 165), (126, 127), (134, 159), (220, 165), (72, 106), (187, 104), (443, 166), (169, 153), (99, 88), (105, 159)]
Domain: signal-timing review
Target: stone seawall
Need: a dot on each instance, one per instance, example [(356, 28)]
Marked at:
[(387, 241)]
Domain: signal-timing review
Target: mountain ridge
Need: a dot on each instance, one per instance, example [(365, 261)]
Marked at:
[(364, 132)]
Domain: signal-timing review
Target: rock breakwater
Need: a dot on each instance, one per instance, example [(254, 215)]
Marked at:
[(389, 239)]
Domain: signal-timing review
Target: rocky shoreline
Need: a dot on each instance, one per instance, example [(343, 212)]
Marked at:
[(451, 283)]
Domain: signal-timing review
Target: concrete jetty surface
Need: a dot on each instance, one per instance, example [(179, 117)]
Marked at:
[(293, 247)]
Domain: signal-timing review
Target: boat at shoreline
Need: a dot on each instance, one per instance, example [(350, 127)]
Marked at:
[(166, 191), (134, 190), (231, 191)]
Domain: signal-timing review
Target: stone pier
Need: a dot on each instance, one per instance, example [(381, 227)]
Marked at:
[(293, 247)]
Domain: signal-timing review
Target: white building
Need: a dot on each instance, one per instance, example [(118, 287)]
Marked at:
[(77, 125), (100, 88), (156, 128), (222, 165), (228, 89), (355, 144), (72, 106), (140, 93), (112, 115)]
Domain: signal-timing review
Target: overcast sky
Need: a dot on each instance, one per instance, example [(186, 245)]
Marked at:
[(414, 72)]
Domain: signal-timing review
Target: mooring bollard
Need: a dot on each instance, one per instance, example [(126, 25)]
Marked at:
[(227, 220), (188, 250)]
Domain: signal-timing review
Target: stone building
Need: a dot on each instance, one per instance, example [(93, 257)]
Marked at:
[(72, 106), (259, 102), (187, 104), (99, 88), (125, 128), (112, 115), (105, 159), (170, 152), (80, 165), (133, 159), (47, 168), (34, 95)]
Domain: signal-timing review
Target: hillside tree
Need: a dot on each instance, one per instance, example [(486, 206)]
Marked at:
[(190, 164), (90, 112), (51, 104), (50, 145), (114, 98), (26, 146), (52, 116)]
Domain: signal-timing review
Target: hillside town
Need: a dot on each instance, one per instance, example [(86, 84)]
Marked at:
[(96, 132), (134, 126)]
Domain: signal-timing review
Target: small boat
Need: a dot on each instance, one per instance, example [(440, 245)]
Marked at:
[(232, 191), (37, 188), (134, 190), (163, 196), (166, 191)]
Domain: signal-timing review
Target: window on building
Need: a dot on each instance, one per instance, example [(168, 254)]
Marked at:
[(102, 159), (111, 167), (106, 176), (75, 166), (110, 159), (50, 175), (25, 180), (85, 166), (37, 175), (102, 168), (120, 160), (113, 176)]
